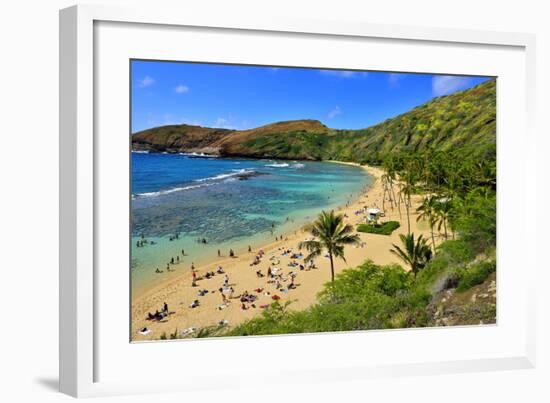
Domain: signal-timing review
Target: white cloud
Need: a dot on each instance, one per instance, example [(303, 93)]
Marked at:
[(146, 82), (394, 79), (444, 85), (223, 123), (344, 73), (182, 89), (334, 112)]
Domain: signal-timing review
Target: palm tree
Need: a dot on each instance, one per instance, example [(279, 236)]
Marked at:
[(442, 210), (427, 211), (331, 234), (416, 254), (390, 176), (407, 189), (385, 185)]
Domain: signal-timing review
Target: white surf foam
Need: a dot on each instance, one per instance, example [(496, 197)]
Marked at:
[(172, 190), (236, 172), (277, 165)]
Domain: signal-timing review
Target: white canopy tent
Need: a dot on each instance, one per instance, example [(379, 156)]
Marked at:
[(373, 214)]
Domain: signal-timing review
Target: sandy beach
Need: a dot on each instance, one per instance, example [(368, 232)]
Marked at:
[(177, 292)]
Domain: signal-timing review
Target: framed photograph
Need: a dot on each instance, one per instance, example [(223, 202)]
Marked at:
[(308, 198)]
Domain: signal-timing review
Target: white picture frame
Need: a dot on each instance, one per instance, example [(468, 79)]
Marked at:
[(81, 162)]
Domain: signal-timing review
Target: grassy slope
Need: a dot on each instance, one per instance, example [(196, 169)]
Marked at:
[(177, 138), (464, 120)]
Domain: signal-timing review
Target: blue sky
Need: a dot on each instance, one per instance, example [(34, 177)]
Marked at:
[(243, 97)]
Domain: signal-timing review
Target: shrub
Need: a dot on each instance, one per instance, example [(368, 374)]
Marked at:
[(456, 251), (382, 229), (475, 220), (439, 273), (475, 274)]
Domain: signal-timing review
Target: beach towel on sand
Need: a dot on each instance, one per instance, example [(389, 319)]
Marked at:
[(187, 331)]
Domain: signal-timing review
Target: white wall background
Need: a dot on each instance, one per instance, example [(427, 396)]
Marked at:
[(29, 201)]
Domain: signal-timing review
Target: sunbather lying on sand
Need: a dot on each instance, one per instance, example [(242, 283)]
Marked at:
[(157, 315)]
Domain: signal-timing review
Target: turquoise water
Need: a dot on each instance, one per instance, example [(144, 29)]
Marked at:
[(231, 203)]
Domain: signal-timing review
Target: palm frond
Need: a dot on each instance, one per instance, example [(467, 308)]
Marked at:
[(400, 253), (338, 251)]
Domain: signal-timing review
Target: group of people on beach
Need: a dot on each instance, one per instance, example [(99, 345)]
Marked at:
[(257, 258), (169, 265), (247, 300), (274, 277), (142, 241), (159, 315), (176, 260)]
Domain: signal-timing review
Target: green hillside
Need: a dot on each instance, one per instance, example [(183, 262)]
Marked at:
[(464, 120)]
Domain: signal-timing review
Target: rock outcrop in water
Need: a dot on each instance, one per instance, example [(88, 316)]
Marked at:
[(248, 174)]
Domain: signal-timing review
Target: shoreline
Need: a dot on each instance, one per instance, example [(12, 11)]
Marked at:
[(178, 293), (264, 240)]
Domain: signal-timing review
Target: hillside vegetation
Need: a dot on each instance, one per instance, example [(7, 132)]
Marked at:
[(464, 121)]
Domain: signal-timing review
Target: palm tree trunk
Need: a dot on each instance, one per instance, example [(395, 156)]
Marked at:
[(399, 206), (433, 238), (445, 227), (331, 266), (392, 194), (408, 218)]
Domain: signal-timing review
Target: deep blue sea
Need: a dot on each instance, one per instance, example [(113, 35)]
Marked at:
[(231, 203)]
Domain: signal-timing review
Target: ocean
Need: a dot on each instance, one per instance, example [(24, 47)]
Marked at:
[(178, 200)]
